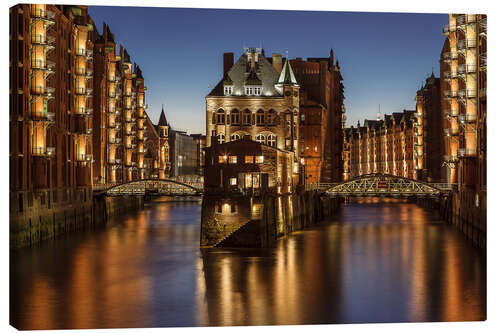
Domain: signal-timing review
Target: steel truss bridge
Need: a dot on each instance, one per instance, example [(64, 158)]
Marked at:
[(176, 186), (383, 185)]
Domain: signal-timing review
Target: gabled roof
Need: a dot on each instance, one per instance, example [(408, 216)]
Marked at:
[(287, 76), (253, 79)]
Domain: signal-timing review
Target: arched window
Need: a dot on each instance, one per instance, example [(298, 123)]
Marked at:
[(271, 140), (235, 137), (221, 138), (271, 117), (235, 117), (246, 117), (260, 138), (220, 117), (260, 120)]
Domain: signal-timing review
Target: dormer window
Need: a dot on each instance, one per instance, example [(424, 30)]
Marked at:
[(253, 91), (228, 90)]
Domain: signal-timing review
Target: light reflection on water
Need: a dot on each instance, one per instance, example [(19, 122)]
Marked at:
[(374, 262)]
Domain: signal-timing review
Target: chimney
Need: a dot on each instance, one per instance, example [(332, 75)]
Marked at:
[(277, 62), (228, 61)]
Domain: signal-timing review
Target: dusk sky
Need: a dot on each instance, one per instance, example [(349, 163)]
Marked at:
[(384, 58)]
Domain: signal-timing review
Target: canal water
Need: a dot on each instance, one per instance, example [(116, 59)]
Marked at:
[(376, 261)]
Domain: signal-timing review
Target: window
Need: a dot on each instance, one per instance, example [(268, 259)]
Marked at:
[(222, 158), (260, 138), (271, 140), (220, 117), (260, 118), (315, 149), (255, 91), (235, 137), (228, 90), (259, 159), (248, 90), (232, 181), (233, 159), (246, 117), (248, 159), (221, 138), (235, 117), (271, 116)]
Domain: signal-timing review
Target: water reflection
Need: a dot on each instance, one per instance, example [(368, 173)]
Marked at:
[(375, 262)]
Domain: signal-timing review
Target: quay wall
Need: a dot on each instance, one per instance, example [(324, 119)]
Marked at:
[(248, 221), (464, 209), (43, 215)]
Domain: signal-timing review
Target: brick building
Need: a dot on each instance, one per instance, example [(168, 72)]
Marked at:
[(322, 88), (50, 106), (381, 146)]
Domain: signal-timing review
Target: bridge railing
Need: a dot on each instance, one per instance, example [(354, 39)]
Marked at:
[(320, 186)]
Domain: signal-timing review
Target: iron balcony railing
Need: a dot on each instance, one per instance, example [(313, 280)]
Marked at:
[(44, 116), (42, 39), (483, 26), (450, 93), (469, 118), (467, 68), (482, 60), (466, 152), (466, 44), (448, 75), (451, 131), (448, 56), (466, 19), (47, 15), (451, 113), (467, 93), (80, 51)]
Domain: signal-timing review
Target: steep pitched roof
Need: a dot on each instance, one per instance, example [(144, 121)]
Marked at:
[(287, 76), (163, 119)]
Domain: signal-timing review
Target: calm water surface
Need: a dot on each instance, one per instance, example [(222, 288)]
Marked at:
[(374, 262)]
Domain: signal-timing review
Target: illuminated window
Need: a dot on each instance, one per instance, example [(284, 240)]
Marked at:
[(260, 138), (248, 159), (271, 140), (228, 90), (260, 118), (233, 159), (315, 149), (257, 90), (235, 117), (232, 181), (248, 90), (222, 159), (235, 137), (220, 117), (259, 159), (246, 117), (221, 138)]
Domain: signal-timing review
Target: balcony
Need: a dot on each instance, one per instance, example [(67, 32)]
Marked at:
[(112, 125), (43, 40), (467, 118), (83, 157), (111, 94), (43, 151), (449, 75), (464, 19), (449, 56), (451, 113), (80, 52), (83, 91), (467, 68), (466, 152), (42, 91), (464, 44), (450, 93), (467, 93), (46, 16), (447, 29), (451, 131)]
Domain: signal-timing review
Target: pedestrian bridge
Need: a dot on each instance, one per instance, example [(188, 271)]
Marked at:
[(176, 186), (383, 185)]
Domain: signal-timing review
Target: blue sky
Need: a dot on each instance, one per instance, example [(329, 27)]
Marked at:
[(384, 57)]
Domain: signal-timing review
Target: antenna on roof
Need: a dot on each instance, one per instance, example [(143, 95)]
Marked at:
[(286, 51)]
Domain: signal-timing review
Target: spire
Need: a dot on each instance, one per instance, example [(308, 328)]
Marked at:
[(287, 76), (163, 119)]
